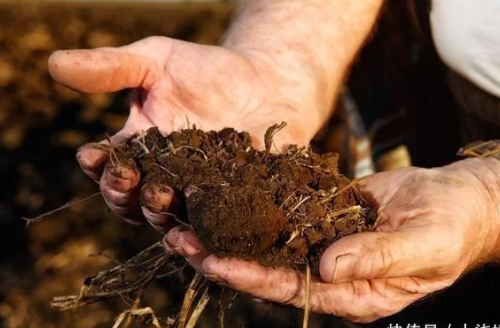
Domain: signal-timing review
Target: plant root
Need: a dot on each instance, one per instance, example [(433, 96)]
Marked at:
[(122, 280)]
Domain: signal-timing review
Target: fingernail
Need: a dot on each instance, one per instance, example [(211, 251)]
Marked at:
[(344, 267), (168, 250), (190, 250), (215, 278), (190, 190), (171, 246), (259, 300), (153, 218), (132, 221), (121, 180)]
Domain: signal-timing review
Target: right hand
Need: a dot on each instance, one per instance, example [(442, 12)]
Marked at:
[(213, 87), (435, 225)]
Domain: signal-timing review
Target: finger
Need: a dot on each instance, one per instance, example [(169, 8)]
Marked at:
[(286, 286), (186, 243), (159, 205), (277, 285), (120, 188), (380, 187), (108, 69), (420, 252), (93, 156)]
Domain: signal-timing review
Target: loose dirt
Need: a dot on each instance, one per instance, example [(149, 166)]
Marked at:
[(277, 209)]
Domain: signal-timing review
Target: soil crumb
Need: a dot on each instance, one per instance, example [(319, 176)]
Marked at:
[(277, 209)]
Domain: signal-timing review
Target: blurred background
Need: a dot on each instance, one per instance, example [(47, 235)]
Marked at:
[(397, 88)]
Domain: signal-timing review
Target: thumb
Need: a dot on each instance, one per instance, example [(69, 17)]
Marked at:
[(372, 255), (110, 69)]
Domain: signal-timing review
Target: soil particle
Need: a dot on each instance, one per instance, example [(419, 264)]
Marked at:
[(277, 209)]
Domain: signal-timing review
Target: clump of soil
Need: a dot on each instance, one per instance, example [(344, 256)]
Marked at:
[(277, 209)]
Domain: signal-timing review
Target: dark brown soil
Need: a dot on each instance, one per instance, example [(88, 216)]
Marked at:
[(277, 209)]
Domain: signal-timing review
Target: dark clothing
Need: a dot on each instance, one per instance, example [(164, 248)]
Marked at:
[(478, 111)]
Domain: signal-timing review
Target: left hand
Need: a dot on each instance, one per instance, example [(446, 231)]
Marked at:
[(176, 81), (435, 224)]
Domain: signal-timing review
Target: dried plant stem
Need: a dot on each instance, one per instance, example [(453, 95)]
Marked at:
[(287, 199), (143, 146), (269, 135), (65, 206), (348, 210), (198, 310), (135, 306), (328, 198), (196, 284), (222, 308), (350, 185), (302, 201), (112, 154), (307, 308), (147, 311), (164, 169), (121, 280), (174, 150)]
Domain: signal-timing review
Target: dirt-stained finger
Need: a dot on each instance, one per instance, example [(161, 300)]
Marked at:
[(159, 205), (354, 301), (92, 158), (186, 243), (120, 189), (419, 250), (284, 286)]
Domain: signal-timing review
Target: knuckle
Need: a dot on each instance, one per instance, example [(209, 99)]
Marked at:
[(377, 260), (294, 290), (153, 39)]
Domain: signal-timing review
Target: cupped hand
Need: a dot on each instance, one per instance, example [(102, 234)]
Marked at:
[(175, 82), (434, 225)]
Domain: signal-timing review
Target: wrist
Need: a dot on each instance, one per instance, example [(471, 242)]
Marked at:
[(489, 174), (485, 178), (309, 45)]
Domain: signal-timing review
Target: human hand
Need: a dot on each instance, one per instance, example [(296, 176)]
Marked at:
[(434, 225), (176, 81)]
